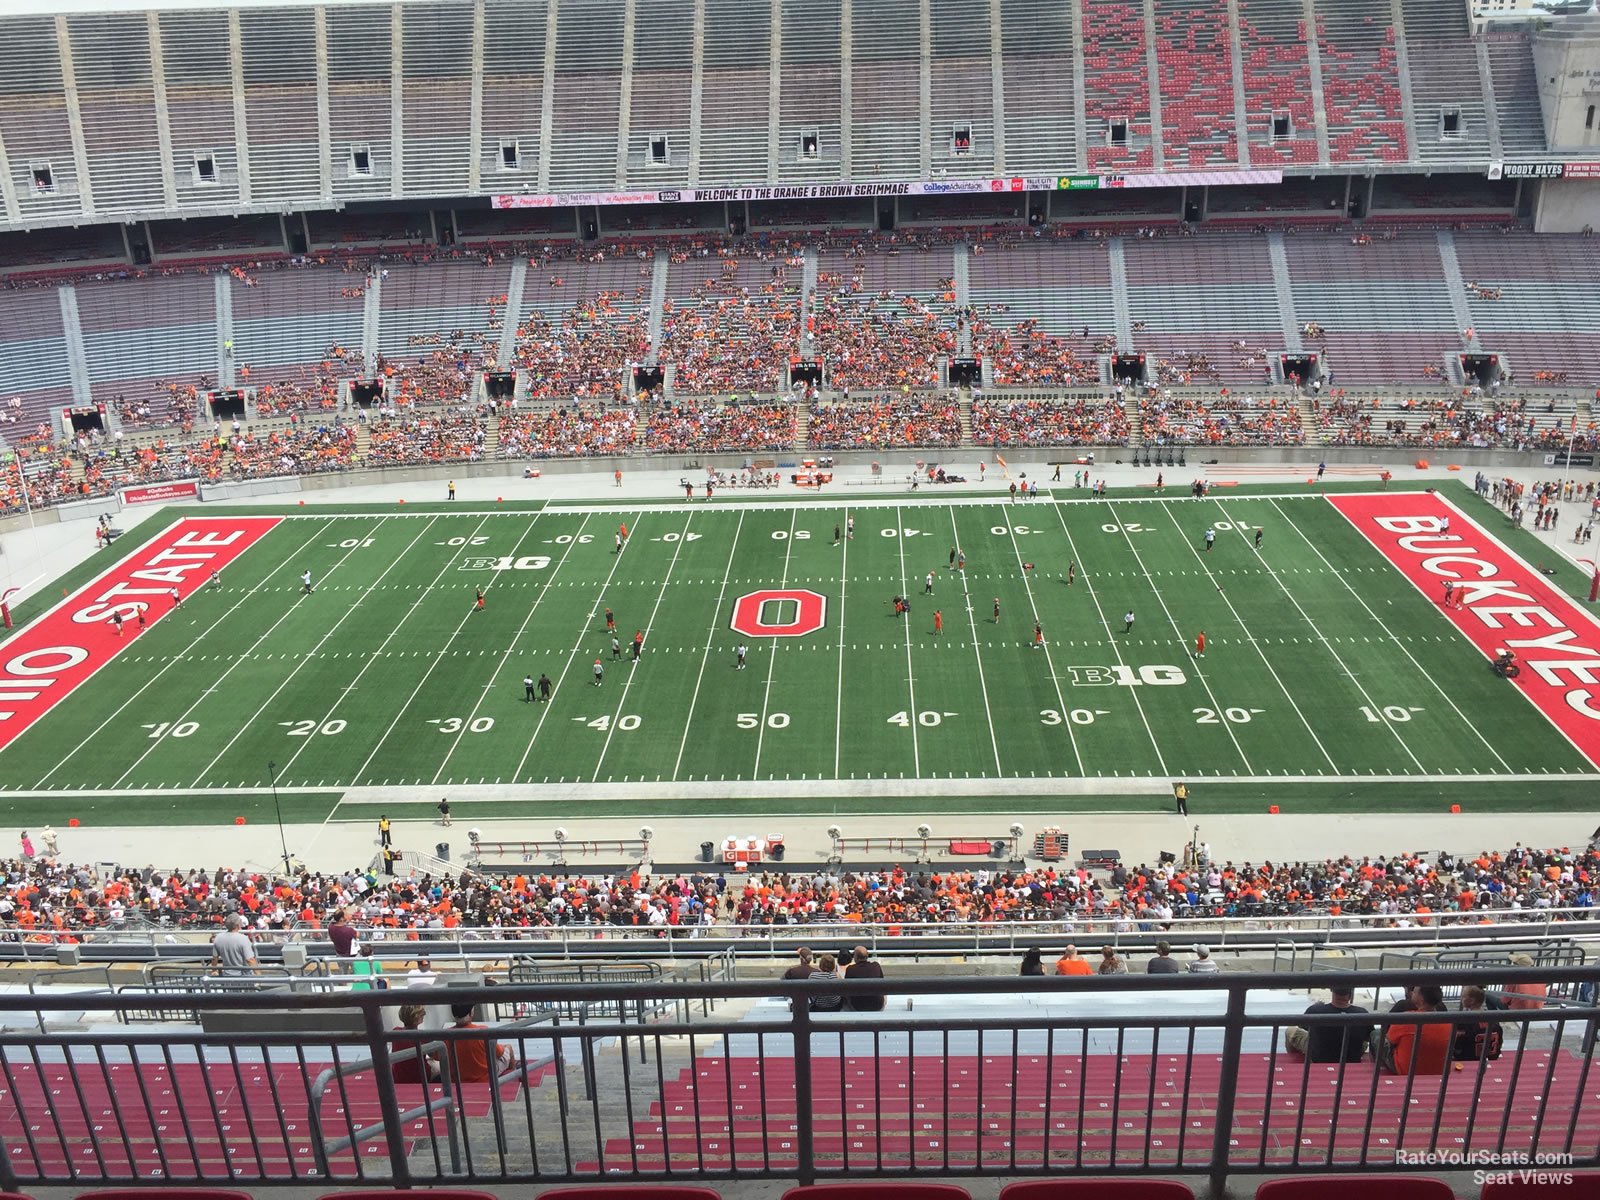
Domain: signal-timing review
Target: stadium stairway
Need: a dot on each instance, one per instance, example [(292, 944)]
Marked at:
[(1308, 419), (802, 427), (966, 417)]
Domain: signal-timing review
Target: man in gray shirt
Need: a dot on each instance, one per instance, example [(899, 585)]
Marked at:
[(1163, 963), (232, 950)]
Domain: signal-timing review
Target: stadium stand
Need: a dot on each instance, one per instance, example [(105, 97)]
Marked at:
[(881, 320), (1360, 81), (1277, 81), (584, 321), (1378, 309), (1396, 890), (1049, 421), (1195, 74), (730, 322), (33, 361), (1525, 296), (1203, 309), (1116, 87)]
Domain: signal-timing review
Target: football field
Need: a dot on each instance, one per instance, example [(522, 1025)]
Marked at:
[(1325, 668)]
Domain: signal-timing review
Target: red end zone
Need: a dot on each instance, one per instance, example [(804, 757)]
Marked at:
[(1504, 603), (43, 663)]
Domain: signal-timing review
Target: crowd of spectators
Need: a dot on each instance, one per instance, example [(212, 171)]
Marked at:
[(887, 422), (49, 896), (587, 354), (168, 403), (568, 431), (1223, 418), (306, 389), (443, 375), (731, 427), (1452, 420), (1024, 355), (869, 341), (1059, 421), (448, 436), (733, 338)]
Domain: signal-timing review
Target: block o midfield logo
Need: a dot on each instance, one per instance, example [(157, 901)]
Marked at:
[(808, 612)]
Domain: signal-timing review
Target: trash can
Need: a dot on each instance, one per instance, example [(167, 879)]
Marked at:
[(707, 851), (441, 850), (776, 851)]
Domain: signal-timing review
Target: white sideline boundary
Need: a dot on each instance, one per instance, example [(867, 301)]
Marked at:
[(1150, 784)]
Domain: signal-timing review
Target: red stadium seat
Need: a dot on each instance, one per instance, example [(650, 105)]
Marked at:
[(1097, 1189), (610, 1191), (1339, 1187), (432, 1193), (1584, 1185), (177, 1193), (875, 1190)]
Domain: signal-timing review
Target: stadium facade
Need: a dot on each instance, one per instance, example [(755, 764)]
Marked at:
[(122, 113)]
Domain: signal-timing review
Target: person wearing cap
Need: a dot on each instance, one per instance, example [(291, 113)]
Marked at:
[(1202, 964), (801, 969), (1163, 963)]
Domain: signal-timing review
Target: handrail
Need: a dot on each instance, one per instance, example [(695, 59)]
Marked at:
[(446, 1101), (1256, 930), (804, 1040), (57, 977)]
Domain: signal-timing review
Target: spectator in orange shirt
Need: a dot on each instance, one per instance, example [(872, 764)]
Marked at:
[(1071, 964), (1428, 1045), (470, 1058)]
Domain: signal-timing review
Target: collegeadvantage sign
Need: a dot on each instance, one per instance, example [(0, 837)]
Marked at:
[(1015, 184)]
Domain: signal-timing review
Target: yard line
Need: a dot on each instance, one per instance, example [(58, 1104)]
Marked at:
[(1049, 659), (439, 656), (284, 616), (1372, 704), (1251, 638), (666, 578), (772, 654), (1116, 646), (972, 619), (911, 681), (705, 657), (544, 590), (305, 658), (1182, 640), (176, 659), (635, 516), (1399, 645), (838, 694)]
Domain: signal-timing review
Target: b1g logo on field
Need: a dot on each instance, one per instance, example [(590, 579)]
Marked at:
[(779, 612)]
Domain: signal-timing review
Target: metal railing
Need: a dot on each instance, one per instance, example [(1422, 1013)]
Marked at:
[(1254, 931), (1177, 1076)]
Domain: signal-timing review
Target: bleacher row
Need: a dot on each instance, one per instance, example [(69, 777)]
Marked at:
[(1041, 308), (435, 436), (1582, 1186)]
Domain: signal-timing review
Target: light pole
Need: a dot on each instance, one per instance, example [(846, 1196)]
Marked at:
[(272, 774)]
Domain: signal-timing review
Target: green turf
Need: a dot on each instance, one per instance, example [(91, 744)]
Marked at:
[(1325, 667)]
